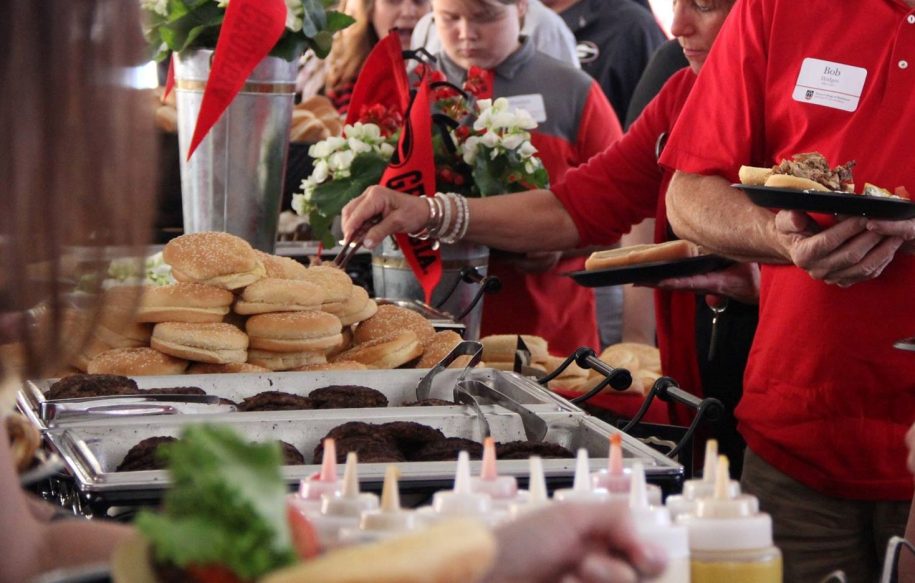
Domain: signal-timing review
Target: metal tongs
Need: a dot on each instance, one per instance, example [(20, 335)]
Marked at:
[(127, 405), (354, 243), (535, 428), (460, 395)]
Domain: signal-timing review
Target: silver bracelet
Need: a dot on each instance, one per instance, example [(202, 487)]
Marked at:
[(451, 236), (445, 201), (434, 215), (463, 232)]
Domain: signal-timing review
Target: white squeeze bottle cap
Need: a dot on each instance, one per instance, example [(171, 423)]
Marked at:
[(350, 502), (581, 488), (653, 524), (462, 500), (502, 489), (703, 487), (615, 480), (390, 517), (325, 482), (537, 494), (724, 522)]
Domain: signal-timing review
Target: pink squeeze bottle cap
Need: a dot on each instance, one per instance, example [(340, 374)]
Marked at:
[(490, 482), (325, 482), (461, 500), (348, 502), (581, 486), (614, 479), (390, 517)]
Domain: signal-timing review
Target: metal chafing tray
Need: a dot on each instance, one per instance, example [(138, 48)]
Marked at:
[(399, 386), (92, 450)]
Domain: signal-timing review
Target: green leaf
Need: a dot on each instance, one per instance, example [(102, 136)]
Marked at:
[(330, 197), (337, 21), (314, 18)]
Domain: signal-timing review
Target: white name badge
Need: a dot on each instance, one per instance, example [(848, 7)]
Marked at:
[(830, 84), (533, 104)]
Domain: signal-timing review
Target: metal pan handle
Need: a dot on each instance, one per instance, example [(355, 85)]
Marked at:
[(619, 379)]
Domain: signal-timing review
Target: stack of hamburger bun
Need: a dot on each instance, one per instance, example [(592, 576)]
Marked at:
[(642, 360), (499, 351)]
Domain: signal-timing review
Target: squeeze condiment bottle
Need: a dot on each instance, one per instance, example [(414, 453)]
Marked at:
[(342, 509), (503, 490), (461, 500), (703, 487), (653, 524), (615, 480), (728, 540), (581, 490), (537, 496), (388, 520), (308, 498)]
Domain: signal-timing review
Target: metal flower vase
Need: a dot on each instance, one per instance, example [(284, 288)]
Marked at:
[(234, 180), (393, 279)]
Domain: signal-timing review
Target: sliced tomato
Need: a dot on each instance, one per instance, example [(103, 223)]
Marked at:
[(902, 192), (304, 537), (213, 574)]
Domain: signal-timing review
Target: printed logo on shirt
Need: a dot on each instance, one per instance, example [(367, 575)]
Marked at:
[(588, 52), (830, 84), (531, 103)]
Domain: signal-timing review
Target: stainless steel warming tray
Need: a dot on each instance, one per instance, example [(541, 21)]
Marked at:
[(398, 386), (92, 450)]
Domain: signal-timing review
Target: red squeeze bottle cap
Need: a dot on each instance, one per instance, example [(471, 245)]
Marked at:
[(614, 479), (325, 482), (489, 482)]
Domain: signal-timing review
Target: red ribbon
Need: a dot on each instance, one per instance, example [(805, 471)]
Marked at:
[(169, 78), (382, 80), (249, 32), (412, 170)]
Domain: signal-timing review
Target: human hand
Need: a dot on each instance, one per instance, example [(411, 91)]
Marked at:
[(910, 443), (401, 213), (739, 281), (904, 230), (574, 543), (843, 254)]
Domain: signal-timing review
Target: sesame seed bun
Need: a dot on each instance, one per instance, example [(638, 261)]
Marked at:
[(284, 360), (389, 319), (441, 344), (213, 258), (136, 362), (335, 282), (358, 307), (390, 351), (184, 302), (281, 267), (216, 343), (501, 347), (314, 331), (279, 295)]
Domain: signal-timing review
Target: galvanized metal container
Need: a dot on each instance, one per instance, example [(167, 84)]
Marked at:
[(234, 180)]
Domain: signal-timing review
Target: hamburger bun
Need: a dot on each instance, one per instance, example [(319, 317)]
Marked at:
[(794, 183), (648, 357), (573, 375), (455, 551), (215, 343), (117, 326), (390, 351), (501, 348), (345, 344), (136, 362), (279, 267), (336, 284), (754, 175), (93, 348), (635, 254), (389, 319), (284, 360), (231, 367), (438, 348), (213, 258), (314, 331), (339, 365), (184, 302), (358, 307), (279, 295)]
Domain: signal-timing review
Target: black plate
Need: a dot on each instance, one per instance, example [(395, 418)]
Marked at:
[(650, 272), (838, 203)]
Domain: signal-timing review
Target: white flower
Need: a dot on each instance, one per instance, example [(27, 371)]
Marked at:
[(308, 186), (367, 132), (325, 148), (490, 139), (484, 104), (294, 12), (527, 150), (358, 146), (512, 141), (222, 3), (339, 163), (529, 167), (469, 149), (385, 149), (158, 6), (298, 204), (320, 172)]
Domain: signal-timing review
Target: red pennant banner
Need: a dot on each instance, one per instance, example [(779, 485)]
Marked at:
[(169, 78), (382, 80), (412, 171), (249, 32)]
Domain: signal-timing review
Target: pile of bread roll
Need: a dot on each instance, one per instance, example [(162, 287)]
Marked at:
[(642, 360), (235, 309)]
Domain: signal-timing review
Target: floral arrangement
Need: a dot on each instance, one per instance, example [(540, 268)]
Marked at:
[(485, 151), (177, 25)]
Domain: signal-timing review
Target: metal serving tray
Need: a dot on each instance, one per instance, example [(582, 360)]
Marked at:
[(398, 385), (92, 451)]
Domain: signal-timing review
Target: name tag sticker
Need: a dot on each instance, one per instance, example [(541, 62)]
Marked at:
[(830, 84), (532, 103)]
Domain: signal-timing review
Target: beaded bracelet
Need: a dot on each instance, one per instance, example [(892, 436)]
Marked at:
[(453, 232)]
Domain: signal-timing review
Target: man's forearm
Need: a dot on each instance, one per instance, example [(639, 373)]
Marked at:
[(708, 211)]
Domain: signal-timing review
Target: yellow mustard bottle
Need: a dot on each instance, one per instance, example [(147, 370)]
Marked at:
[(729, 540)]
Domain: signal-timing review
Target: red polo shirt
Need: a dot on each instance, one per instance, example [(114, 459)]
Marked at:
[(826, 398)]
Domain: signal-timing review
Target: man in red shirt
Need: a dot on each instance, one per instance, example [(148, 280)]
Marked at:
[(827, 400)]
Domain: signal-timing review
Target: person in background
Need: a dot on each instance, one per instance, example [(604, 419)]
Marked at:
[(575, 121), (374, 19), (595, 204), (827, 399), (547, 31)]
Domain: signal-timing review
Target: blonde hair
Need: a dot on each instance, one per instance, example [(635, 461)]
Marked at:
[(77, 164), (352, 45)]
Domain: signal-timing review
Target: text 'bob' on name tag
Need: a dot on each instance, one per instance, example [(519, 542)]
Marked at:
[(830, 84)]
